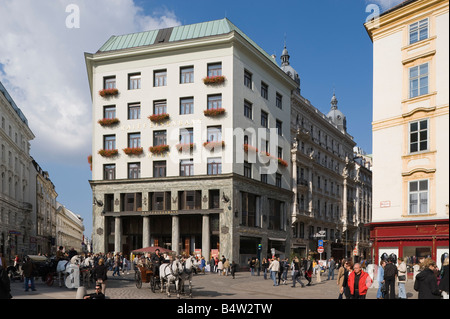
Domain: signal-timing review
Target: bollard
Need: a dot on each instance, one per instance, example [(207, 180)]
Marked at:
[(81, 292)]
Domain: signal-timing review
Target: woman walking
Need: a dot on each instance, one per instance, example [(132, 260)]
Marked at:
[(100, 274), (402, 278)]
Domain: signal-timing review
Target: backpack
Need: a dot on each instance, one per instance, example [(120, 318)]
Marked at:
[(390, 271)]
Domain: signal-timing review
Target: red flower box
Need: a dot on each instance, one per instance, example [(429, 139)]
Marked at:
[(248, 147), (181, 147), (108, 122), (214, 112), (90, 161), (108, 153), (159, 149), (108, 92), (133, 150), (212, 144), (282, 162), (219, 79), (157, 118)]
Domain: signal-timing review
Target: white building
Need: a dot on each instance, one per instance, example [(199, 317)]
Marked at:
[(411, 129), (69, 229)]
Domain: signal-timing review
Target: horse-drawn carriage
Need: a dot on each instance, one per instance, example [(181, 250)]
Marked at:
[(146, 275)]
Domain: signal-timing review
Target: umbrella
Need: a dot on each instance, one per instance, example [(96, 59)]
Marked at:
[(151, 249)]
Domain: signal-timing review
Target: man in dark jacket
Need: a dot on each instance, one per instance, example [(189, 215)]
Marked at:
[(390, 272), (426, 281), (28, 269), (5, 286)]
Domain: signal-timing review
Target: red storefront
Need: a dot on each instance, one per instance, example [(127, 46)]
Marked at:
[(418, 238)]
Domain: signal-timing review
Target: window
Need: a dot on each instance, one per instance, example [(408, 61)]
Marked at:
[(214, 198), (249, 214), (279, 128), (187, 75), (214, 133), (160, 201), (279, 101), (159, 107), (109, 171), (278, 180), (418, 197), (280, 152), (134, 111), (248, 109), (109, 112), (160, 78), (264, 119), (418, 136), (214, 101), (264, 90), (187, 167), (264, 178), (134, 81), (159, 169), (131, 202), (418, 31), (214, 69), (134, 140), (276, 215), (247, 169), (159, 138), (248, 79), (109, 142), (214, 166), (418, 80), (134, 170), (186, 135), (190, 200), (109, 82), (186, 105)]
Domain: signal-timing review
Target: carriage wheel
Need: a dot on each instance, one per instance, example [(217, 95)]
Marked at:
[(153, 284), (138, 279), (49, 280)]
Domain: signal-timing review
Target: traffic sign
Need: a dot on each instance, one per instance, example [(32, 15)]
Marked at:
[(320, 241), (320, 250)]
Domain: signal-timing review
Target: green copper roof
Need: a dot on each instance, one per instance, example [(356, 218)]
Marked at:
[(174, 34)]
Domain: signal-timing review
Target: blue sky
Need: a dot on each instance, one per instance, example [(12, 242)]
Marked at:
[(326, 40)]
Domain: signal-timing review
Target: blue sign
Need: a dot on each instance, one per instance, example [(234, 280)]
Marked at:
[(320, 241)]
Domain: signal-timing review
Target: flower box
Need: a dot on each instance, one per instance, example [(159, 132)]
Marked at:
[(159, 149), (213, 144), (90, 161), (108, 122), (133, 150), (214, 112), (158, 118), (282, 162), (251, 148), (219, 79), (108, 153), (108, 92), (182, 147)]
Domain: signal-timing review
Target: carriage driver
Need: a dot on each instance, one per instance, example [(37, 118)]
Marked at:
[(60, 254), (157, 259)]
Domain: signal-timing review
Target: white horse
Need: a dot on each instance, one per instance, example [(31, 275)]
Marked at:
[(66, 268), (188, 270), (171, 273)]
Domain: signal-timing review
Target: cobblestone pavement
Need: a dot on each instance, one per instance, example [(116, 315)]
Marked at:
[(205, 286)]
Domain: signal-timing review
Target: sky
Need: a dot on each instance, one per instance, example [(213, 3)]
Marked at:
[(42, 46)]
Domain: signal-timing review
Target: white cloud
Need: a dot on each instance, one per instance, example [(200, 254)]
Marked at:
[(42, 64)]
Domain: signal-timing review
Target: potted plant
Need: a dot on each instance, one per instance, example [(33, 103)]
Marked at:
[(213, 144), (158, 118), (218, 79), (187, 146), (214, 112), (251, 148), (108, 153), (133, 150), (108, 122), (108, 92), (90, 161), (159, 149), (282, 162)]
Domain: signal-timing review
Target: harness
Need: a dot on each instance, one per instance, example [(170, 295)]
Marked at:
[(171, 272)]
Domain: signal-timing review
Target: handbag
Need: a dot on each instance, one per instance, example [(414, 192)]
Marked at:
[(383, 287), (402, 278)]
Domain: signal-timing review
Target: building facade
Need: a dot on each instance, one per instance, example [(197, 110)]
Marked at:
[(69, 229), (411, 129), (197, 156), (16, 210)]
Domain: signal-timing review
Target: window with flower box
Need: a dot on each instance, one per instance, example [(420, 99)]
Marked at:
[(134, 140), (109, 171), (214, 69), (160, 107), (214, 101), (214, 133), (109, 82), (159, 138), (109, 142), (109, 112)]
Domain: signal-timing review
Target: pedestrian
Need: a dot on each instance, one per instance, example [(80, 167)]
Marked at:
[(265, 266), (29, 269), (390, 274), (274, 268), (341, 277), (380, 278), (402, 278), (296, 273), (318, 270), (233, 268), (252, 266), (285, 270), (5, 284), (116, 266), (443, 285), (203, 265), (226, 267), (257, 266), (308, 268), (358, 282), (220, 267), (331, 268), (100, 274), (97, 294), (426, 281)]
